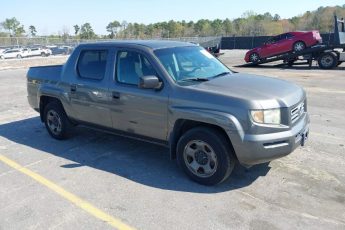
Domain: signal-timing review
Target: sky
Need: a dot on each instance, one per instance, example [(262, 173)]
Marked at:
[(52, 16)]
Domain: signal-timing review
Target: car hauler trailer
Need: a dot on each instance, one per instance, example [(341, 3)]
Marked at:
[(328, 55)]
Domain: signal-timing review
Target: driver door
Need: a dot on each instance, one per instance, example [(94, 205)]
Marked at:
[(137, 111)]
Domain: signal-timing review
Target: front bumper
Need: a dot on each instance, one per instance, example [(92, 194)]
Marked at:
[(256, 149)]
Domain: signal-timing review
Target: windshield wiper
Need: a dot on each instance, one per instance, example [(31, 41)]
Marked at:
[(221, 74), (195, 79)]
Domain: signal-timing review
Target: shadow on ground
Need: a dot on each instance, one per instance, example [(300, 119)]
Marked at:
[(138, 161)]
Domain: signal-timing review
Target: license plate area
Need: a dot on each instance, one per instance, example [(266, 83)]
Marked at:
[(302, 137)]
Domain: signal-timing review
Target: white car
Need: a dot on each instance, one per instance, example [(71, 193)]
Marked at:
[(39, 51), (14, 53)]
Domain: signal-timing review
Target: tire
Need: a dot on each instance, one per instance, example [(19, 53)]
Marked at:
[(2, 57), (291, 63), (211, 153), (327, 60), (43, 54), (19, 56), (254, 58), (299, 46), (56, 121)]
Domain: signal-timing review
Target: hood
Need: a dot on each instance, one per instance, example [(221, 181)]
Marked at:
[(261, 92)]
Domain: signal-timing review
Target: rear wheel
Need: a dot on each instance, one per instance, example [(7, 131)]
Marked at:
[(56, 120), (205, 155), (254, 58), (328, 60), (299, 46)]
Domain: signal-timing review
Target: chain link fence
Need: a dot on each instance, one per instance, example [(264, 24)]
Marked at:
[(46, 41)]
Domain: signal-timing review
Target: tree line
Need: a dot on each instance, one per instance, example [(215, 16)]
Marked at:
[(249, 24)]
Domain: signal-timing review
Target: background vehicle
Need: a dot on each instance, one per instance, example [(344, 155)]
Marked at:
[(283, 43), (14, 53), (175, 94), (327, 55), (64, 50), (2, 49), (40, 51)]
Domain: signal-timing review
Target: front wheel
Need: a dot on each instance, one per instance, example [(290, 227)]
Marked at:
[(254, 58), (56, 121), (205, 155)]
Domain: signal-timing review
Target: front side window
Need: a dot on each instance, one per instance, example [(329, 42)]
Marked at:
[(190, 63), (92, 64), (131, 66)]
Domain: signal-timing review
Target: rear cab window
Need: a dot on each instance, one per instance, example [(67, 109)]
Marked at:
[(92, 64)]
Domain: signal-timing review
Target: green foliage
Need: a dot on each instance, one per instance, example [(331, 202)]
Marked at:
[(112, 28), (32, 30), (76, 29), (13, 26), (249, 24), (86, 31)]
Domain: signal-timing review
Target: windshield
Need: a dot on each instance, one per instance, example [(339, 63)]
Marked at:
[(190, 63)]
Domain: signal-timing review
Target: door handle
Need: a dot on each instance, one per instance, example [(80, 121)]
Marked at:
[(116, 95), (73, 88)]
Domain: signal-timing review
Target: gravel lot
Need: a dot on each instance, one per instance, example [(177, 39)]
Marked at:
[(136, 183)]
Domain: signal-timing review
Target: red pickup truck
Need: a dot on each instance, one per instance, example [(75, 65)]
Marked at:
[(283, 43)]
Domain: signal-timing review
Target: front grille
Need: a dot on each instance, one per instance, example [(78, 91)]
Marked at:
[(297, 112)]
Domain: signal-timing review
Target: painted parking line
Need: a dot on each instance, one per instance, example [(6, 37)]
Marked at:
[(86, 206)]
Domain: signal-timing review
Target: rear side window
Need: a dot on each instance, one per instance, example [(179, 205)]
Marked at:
[(92, 63), (289, 36)]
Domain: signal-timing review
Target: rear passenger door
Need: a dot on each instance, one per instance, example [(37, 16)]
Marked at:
[(134, 110), (89, 88)]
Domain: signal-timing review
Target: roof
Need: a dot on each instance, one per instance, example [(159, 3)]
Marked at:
[(152, 44)]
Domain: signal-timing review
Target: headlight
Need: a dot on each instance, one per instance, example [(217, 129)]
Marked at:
[(269, 116)]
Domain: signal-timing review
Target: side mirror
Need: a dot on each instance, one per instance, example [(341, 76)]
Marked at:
[(149, 82)]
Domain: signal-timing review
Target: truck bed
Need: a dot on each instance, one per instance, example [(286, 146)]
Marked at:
[(52, 72), (50, 75)]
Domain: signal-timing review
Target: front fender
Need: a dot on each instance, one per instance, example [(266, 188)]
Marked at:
[(228, 122)]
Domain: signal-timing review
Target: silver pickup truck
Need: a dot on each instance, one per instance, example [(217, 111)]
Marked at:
[(176, 94)]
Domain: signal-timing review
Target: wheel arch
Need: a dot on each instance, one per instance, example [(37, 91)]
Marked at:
[(181, 126), (44, 101)]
